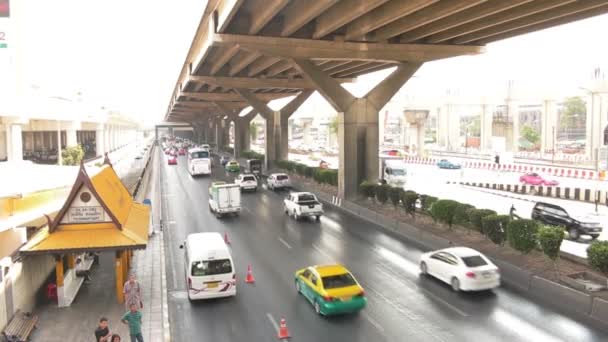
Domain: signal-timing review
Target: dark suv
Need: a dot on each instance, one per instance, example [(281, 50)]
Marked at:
[(556, 216)]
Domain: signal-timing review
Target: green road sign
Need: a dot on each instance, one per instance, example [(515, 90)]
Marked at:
[(3, 45)]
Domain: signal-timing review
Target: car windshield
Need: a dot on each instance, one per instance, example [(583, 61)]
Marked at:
[(306, 198), (474, 261), (249, 179), (282, 177), (398, 172), (337, 281), (211, 267), (199, 154)]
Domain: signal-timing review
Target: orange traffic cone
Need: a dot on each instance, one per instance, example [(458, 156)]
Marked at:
[(226, 239), (283, 332), (249, 278)]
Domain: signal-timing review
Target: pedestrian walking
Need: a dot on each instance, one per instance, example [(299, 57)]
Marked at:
[(132, 318), (132, 292), (102, 333)]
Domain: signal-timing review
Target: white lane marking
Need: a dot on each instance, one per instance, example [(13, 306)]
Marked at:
[(521, 327), (444, 302), (285, 243), (171, 222), (373, 322), (273, 321), (322, 252)]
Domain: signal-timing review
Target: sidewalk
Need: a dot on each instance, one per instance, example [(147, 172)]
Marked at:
[(98, 298)]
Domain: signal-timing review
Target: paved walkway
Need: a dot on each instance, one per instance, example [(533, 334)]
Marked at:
[(98, 298)]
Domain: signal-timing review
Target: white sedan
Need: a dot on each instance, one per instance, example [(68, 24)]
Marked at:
[(463, 268)]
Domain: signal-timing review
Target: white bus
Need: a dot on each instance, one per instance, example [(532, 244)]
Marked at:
[(199, 162)]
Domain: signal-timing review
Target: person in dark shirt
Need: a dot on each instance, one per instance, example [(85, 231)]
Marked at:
[(102, 333)]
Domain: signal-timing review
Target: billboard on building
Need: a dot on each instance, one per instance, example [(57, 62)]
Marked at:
[(4, 9)]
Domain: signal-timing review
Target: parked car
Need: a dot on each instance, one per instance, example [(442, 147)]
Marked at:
[(172, 160), (233, 166), (278, 181), (303, 204), (533, 178), (446, 164), (247, 181), (465, 269), (576, 226), (331, 289)]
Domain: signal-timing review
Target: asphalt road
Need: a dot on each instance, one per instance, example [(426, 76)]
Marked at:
[(401, 305)]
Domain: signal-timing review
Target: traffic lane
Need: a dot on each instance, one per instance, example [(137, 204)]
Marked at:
[(440, 314), (503, 313), (273, 295), (228, 319)]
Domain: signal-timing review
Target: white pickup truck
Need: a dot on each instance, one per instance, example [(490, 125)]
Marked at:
[(303, 204)]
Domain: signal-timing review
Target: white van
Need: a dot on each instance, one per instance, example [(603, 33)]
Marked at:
[(199, 162), (209, 267), (394, 172)]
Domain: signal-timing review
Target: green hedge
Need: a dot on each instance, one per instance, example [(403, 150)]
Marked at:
[(522, 235), (427, 202), (408, 199), (550, 239), (326, 176), (443, 211), (382, 193), (475, 216), (460, 214), (252, 155), (597, 256), (495, 227), (368, 189), (394, 194)]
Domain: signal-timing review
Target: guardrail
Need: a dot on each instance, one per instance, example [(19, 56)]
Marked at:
[(143, 171)]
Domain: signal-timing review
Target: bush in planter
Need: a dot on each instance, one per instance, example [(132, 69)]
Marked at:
[(495, 227), (310, 171), (382, 193), (301, 169), (395, 195), (443, 211), (476, 215), (522, 235), (597, 256), (408, 199), (460, 215), (550, 239), (368, 189), (427, 202)]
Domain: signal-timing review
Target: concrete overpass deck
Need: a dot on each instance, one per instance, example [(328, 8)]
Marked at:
[(246, 53)]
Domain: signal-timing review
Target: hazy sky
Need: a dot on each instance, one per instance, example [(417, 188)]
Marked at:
[(127, 54)]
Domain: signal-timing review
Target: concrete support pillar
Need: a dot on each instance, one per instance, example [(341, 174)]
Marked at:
[(100, 148), (242, 135), (357, 121), (548, 126), (597, 118), (59, 279), (486, 128), (513, 113), (307, 138), (71, 139), (276, 129), (14, 142), (448, 126)]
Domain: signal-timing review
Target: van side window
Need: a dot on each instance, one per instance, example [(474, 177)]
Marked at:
[(388, 170)]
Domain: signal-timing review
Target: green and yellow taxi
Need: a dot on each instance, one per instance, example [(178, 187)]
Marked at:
[(331, 289), (233, 166)]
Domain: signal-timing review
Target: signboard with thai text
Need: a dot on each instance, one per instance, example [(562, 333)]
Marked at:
[(85, 214)]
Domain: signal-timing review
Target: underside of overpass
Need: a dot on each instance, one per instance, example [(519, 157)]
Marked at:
[(249, 52)]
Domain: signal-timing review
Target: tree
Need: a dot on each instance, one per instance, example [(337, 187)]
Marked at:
[(253, 131), (597, 256), (574, 111), (72, 155), (474, 126), (443, 211), (522, 235), (530, 134), (333, 125)]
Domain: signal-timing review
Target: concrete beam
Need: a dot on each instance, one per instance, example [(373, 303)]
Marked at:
[(262, 64), (496, 19), (255, 101), (227, 97), (279, 68), (300, 13), (242, 60), (483, 10), (537, 18), (223, 58), (226, 10), (425, 16), (308, 48), (341, 14), (384, 91), (366, 68), (256, 83), (331, 90), (383, 15), (263, 13)]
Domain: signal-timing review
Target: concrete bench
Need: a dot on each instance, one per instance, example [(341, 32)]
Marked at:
[(72, 283), (20, 327)]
